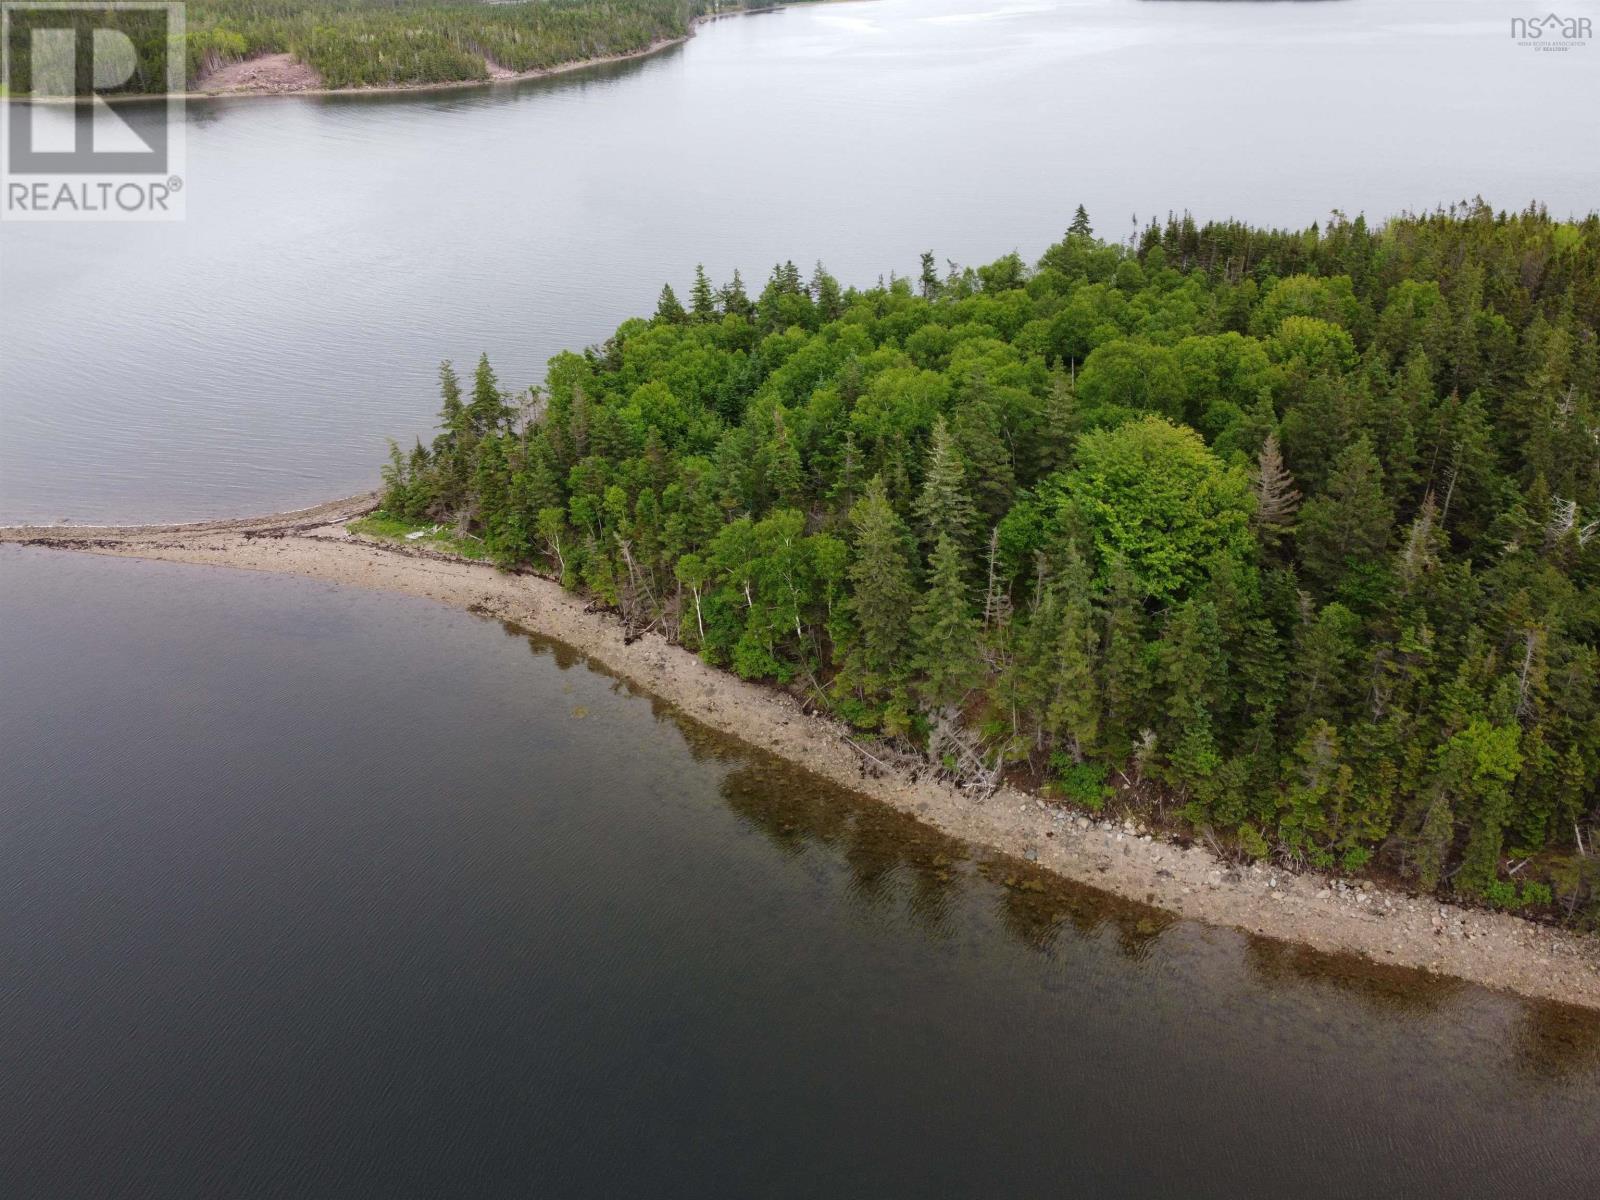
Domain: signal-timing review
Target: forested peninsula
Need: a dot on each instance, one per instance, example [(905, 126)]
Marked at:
[(1279, 540), (340, 44)]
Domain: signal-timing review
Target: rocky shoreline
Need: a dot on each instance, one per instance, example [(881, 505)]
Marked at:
[(1328, 914)]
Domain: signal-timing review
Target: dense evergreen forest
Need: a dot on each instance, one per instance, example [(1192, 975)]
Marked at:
[(367, 43), (1286, 538)]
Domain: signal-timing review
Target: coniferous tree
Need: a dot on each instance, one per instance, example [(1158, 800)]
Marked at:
[(783, 465), (452, 413), (396, 481), (1350, 523), (846, 485), (826, 294), (882, 595), (1276, 497), (451, 449), (1074, 714), (667, 307), (488, 410), (1028, 680), (946, 630), (702, 299), (987, 458), (734, 299), (943, 509), (1127, 670), (1058, 427)]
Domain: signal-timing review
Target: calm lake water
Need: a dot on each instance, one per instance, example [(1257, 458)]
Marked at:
[(311, 891), (255, 357)]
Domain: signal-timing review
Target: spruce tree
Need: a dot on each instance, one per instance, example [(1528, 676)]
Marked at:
[(826, 294), (735, 301), (946, 631), (1028, 679), (1074, 714), (846, 482), (488, 410), (422, 482), (396, 476), (452, 413), (667, 307), (1191, 661), (784, 478), (703, 299), (1350, 523), (943, 509), (977, 433), (1127, 672), (1057, 429), (452, 448), (1276, 497), (882, 594)]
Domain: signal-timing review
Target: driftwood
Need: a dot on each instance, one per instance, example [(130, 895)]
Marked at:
[(953, 754), (638, 593), (869, 756), (968, 767)]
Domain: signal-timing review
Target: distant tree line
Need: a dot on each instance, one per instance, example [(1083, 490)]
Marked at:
[(366, 43), (1290, 537)]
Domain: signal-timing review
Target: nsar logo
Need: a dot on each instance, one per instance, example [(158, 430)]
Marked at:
[(1552, 32)]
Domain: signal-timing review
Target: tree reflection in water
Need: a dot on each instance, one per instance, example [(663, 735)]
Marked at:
[(895, 860)]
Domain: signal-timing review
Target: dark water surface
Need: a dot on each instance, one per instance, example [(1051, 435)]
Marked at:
[(254, 357), (313, 892)]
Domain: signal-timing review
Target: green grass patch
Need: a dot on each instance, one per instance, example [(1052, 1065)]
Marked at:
[(381, 524)]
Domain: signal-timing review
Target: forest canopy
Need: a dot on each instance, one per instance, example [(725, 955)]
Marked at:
[(1285, 537)]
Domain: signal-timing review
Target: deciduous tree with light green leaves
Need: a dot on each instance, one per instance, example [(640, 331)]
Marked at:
[(1154, 497)]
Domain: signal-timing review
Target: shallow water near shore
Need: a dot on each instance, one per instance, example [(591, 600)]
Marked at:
[(311, 890)]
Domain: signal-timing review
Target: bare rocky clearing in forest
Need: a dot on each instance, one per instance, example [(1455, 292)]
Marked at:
[(270, 74)]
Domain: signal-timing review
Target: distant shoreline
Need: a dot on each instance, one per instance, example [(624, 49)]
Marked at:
[(1494, 950), (388, 89)]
